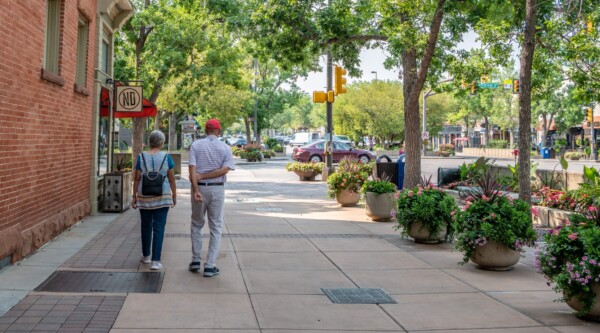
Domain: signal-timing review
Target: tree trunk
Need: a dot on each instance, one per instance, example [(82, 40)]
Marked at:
[(412, 138), (138, 136), (525, 101), (172, 131), (247, 123)]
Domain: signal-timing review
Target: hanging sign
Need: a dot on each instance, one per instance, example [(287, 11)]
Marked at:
[(129, 99)]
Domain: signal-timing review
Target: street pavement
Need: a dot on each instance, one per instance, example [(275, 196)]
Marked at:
[(284, 241)]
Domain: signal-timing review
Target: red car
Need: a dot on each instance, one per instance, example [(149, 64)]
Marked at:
[(315, 152)]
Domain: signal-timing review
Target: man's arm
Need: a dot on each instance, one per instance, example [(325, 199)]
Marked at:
[(194, 180), (213, 174)]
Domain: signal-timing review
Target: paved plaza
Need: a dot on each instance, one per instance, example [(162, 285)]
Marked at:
[(284, 241)]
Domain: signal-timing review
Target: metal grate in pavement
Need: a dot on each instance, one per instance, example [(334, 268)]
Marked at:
[(358, 296), (102, 282)]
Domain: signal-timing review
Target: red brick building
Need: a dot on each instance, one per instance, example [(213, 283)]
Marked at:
[(48, 115)]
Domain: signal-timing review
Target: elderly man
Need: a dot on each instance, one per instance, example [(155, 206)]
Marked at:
[(210, 160)]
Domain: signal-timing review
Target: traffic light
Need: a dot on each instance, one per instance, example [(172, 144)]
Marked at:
[(516, 86), (330, 96), (485, 78), (340, 80), (319, 96), (473, 88), (590, 115)]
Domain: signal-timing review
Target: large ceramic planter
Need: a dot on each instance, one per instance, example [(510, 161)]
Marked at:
[(420, 233), (347, 198), (306, 175), (594, 313), (379, 206), (495, 256)]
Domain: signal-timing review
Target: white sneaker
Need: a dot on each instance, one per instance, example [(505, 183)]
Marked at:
[(145, 259), (156, 265)]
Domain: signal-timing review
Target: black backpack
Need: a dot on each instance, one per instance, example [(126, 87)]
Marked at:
[(152, 181)]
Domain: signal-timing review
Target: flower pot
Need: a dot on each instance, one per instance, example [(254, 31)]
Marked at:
[(117, 191), (594, 313), (445, 153), (347, 198), (306, 175), (379, 206), (495, 256), (420, 233)]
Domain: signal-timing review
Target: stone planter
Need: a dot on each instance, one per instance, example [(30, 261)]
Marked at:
[(444, 153), (347, 198), (306, 175), (495, 256), (117, 191), (594, 313), (421, 234), (379, 206)]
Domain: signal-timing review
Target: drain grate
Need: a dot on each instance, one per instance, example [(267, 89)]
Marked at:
[(358, 296), (102, 282)]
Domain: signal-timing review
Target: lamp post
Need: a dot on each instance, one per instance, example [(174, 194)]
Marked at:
[(374, 72)]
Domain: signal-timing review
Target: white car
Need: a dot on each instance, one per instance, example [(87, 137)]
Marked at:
[(341, 138)]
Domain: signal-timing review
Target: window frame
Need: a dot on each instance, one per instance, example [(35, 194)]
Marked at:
[(51, 65), (81, 67)]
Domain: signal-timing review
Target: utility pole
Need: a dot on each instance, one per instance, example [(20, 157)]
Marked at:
[(593, 136), (255, 64), (329, 145)]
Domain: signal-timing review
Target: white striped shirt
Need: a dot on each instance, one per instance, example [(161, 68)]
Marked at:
[(210, 154)]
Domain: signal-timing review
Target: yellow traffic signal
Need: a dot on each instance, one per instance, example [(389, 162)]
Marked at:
[(319, 97), (330, 96), (473, 88), (590, 26), (590, 115), (485, 78), (340, 80), (516, 86)]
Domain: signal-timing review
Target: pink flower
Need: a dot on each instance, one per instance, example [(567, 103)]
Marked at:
[(573, 236), (452, 213), (592, 209), (484, 197), (396, 195), (492, 215), (410, 193), (535, 212)]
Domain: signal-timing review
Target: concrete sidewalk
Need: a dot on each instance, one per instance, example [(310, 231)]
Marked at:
[(284, 240)]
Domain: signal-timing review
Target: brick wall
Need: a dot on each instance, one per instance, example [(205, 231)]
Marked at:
[(45, 128)]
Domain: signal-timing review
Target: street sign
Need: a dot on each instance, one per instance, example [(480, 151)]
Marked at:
[(488, 85), (129, 99), (425, 135)]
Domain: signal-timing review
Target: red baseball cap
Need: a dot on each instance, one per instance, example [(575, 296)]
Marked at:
[(212, 124)]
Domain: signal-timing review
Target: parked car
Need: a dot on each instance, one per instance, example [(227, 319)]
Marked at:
[(315, 152), (282, 140), (301, 138), (238, 142), (342, 138)]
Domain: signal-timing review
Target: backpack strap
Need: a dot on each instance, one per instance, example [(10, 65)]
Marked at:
[(144, 161), (163, 162)]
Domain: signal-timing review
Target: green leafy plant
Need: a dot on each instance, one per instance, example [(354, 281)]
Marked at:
[(571, 259), (574, 155), (379, 186), (512, 182), (491, 215), (350, 175), (497, 144), (305, 166), (253, 155), (428, 205), (123, 164)]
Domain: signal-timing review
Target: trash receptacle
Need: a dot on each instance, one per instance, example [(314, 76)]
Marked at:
[(386, 170), (448, 175), (552, 153), (545, 153), (401, 163)]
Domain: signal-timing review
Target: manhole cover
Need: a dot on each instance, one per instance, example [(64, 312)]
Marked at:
[(358, 296), (102, 282), (268, 209)]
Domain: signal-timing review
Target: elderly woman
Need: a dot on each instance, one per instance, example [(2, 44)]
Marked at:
[(154, 208)]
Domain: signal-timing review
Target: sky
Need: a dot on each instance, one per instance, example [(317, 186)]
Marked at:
[(370, 61)]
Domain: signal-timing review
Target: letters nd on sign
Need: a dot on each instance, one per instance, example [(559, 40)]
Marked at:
[(129, 99)]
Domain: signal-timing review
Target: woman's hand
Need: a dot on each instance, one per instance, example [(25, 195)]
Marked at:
[(134, 202), (174, 199)]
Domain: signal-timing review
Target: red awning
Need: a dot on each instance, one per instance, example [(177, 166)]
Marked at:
[(148, 108), (461, 139)]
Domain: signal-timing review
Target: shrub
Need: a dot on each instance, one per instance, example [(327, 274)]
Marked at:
[(571, 259), (379, 186), (305, 166), (574, 154), (350, 175), (497, 144), (428, 205)]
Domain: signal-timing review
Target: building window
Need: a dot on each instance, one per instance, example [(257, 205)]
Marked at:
[(52, 36), (82, 47), (106, 54)]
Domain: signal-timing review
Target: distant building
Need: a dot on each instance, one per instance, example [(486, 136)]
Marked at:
[(54, 59)]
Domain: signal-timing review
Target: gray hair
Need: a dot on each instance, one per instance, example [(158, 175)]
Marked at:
[(157, 139)]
